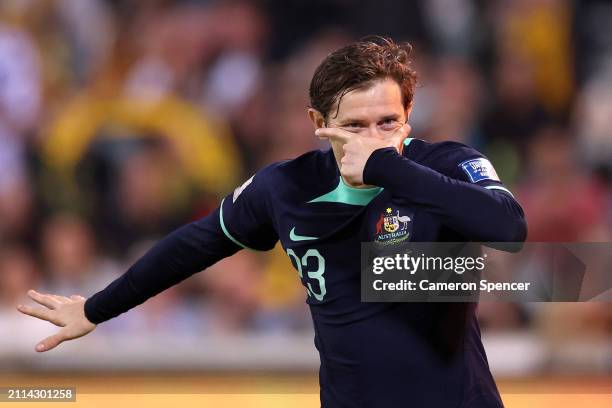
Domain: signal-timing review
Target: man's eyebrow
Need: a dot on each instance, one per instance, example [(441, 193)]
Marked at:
[(393, 116), (349, 121)]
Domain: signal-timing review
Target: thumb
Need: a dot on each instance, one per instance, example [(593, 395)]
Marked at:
[(51, 342)]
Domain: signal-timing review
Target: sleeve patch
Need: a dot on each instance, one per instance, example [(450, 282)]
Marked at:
[(240, 189), (479, 169)]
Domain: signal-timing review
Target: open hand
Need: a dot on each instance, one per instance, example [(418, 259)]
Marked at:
[(67, 313), (358, 149)]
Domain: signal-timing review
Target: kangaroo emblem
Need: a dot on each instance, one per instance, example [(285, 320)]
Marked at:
[(379, 225)]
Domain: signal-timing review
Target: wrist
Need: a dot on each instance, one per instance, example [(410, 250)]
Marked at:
[(375, 170), (88, 313)]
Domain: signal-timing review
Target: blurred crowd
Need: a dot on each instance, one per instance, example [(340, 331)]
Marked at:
[(121, 120)]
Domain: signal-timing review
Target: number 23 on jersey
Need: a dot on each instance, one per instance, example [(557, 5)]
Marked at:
[(313, 264)]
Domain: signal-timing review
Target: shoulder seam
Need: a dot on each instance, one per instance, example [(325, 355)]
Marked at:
[(227, 233)]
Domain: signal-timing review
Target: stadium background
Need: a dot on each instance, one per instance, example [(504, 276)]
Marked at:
[(121, 120)]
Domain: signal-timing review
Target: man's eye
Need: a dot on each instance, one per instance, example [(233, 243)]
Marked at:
[(353, 127), (390, 124)]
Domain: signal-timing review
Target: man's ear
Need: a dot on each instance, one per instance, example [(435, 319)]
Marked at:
[(316, 117)]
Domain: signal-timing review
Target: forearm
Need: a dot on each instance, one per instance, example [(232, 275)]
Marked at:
[(179, 255), (475, 212)]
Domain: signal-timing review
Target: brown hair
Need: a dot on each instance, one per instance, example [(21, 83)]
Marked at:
[(356, 66)]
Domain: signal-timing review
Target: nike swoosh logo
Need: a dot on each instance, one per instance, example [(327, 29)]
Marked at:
[(295, 237)]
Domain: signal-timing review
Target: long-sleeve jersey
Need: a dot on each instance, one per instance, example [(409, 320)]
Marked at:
[(372, 354)]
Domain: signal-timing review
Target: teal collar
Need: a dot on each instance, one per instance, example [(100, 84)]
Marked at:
[(346, 194)]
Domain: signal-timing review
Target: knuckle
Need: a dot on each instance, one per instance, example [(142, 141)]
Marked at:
[(58, 322)]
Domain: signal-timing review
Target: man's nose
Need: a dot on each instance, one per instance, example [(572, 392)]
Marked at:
[(374, 132)]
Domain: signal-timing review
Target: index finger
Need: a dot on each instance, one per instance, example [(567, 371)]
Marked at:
[(45, 300), (400, 136), (337, 134)]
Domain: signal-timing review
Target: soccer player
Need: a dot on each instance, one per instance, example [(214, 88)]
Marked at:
[(321, 206)]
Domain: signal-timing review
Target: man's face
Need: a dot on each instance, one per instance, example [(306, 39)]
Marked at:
[(376, 111)]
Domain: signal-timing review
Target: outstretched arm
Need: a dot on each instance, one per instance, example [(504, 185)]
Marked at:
[(179, 255), (243, 220), (186, 251)]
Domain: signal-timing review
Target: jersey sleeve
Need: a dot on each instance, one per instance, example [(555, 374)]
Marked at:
[(246, 215), (471, 166), (454, 183), (182, 253), (241, 221)]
